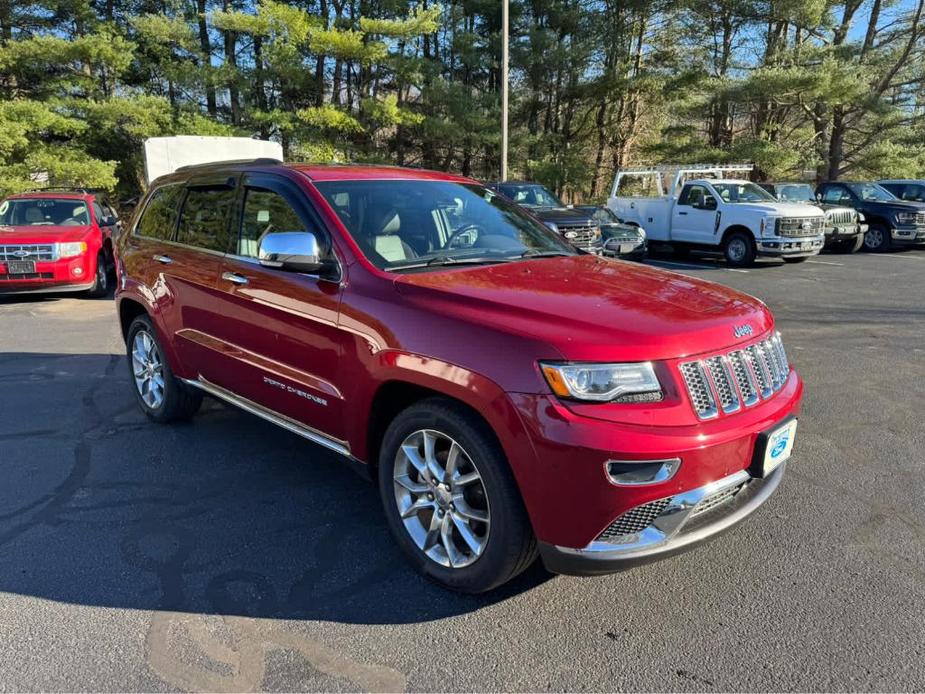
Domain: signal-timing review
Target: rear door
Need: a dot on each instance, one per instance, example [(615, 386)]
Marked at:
[(278, 342), (190, 266)]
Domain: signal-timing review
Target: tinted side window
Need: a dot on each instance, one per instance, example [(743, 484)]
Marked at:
[(835, 194), (264, 211), (160, 214), (692, 195), (205, 216)]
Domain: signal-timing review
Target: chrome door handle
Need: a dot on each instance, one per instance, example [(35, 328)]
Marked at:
[(163, 259), (234, 277)]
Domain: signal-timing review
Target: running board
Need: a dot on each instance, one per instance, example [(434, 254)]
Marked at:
[(279, 420)]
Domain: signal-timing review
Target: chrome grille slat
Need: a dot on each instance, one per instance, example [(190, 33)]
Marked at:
[(722, 383), (699, 389), (737, 379), (41, 252), (793, 226)]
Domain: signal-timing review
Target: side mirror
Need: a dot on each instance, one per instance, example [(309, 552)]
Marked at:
[(296, 251), (818, 197), (107, 221), (709, 203)]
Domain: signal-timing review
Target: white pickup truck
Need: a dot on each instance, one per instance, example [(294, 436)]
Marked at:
[(705, 208)]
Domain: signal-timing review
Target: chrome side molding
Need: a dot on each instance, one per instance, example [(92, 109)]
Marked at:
[(271, 416)]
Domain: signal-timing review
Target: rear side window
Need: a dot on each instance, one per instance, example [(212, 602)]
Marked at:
[(160, 214), (204, 221), (835, 194)]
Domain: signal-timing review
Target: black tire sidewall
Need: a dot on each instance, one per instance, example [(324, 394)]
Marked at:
[(509, 529), (884, 236), (100, 277), (749, 257), (164, 412)]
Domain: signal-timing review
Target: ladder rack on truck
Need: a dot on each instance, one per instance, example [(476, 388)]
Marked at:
[(682, 172)]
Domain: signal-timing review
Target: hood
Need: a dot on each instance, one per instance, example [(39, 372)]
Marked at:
[(42, 234), (781, 209), (894, 205), (589, 308)]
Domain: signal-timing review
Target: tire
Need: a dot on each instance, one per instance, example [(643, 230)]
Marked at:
[(176, 400), (739, 250), (100, 286), (877, 239), (849, 246), (506, 545), (797, 260)]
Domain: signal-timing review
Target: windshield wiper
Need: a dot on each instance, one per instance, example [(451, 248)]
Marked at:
[(533, 253), (449, 260)]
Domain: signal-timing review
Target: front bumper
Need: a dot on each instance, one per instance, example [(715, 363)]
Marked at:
[(65, 275), (687, 520), (625, 248), (908, 235), (837, 234), (783, 246)]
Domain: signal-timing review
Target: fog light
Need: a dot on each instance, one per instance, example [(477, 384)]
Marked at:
[(77, 271), (633, 473)]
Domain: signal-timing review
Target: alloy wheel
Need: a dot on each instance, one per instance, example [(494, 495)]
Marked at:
[(441, 498), (873, 239), (148, 369), (737, 250)]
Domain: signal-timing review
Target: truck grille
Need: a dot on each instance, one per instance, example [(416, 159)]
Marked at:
[(585, 236), (841, 217), (801, 226), (38, 252), (634, 521), (740, 378)]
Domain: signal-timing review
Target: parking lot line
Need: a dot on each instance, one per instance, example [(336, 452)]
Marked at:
[(825, 262)]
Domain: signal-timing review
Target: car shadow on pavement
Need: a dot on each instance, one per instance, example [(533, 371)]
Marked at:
[(224, 515)]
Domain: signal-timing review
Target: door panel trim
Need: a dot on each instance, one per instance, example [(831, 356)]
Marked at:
[(271, 416), (262, 363)]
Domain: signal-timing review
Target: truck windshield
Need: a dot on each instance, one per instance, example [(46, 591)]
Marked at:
[(795, 192), (871, 192), (530, 195), (742, 192), (37, 212), (417, 224)]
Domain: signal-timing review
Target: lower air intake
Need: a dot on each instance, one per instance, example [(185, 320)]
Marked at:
[(633, 521)]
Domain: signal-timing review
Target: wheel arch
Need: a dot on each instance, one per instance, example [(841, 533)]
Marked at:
[(737, 227)]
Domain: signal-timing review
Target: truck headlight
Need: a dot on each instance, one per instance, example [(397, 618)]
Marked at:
[(642, 233), (861, 217), (604, 382), (905, 217), (71, 250)]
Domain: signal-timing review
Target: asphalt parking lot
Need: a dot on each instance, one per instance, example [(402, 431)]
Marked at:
[(229, 555)]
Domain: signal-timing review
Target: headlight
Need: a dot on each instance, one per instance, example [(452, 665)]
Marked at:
[(552, 226), (769, 226), (905, 217), (71, 250), (861, 216), (642, 233), (604, 382)]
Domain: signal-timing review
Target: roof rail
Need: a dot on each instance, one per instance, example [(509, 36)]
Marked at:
[(267, 161), (63, 189)]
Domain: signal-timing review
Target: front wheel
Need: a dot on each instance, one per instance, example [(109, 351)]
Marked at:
[(450, 499), (101, 278), (739, 250), (877, 239), (850, 245)]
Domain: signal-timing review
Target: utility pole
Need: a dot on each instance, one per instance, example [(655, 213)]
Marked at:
[(505, 22)]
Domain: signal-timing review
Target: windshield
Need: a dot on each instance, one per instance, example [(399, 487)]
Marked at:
[(37, 212), (414, 224), (796, 192), (742, 192), (604, 215), (871, 192), (530, 195)]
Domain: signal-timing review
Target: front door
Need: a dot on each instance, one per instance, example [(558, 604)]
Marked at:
[(280, 346), (693, 219)]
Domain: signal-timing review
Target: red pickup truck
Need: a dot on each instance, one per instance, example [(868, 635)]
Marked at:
[(56, 241), (512, 395)]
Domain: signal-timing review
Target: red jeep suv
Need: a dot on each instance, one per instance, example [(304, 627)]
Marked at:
[(56, 241), (512, 395)]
